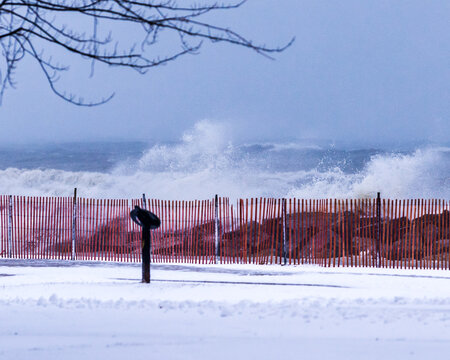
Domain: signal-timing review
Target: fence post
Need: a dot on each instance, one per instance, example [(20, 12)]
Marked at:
[(284, 230), (74, 221), (216, 227), (379, 228), (10, 226), (144, 202)]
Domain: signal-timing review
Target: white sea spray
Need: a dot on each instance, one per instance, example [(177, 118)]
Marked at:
[(206, 162)]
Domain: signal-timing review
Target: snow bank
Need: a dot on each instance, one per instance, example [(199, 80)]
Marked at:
[(73, 310)]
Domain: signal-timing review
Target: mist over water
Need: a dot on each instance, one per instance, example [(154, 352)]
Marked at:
[(206, 162)]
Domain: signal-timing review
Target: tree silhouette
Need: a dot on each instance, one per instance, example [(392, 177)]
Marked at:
[(86, 29)]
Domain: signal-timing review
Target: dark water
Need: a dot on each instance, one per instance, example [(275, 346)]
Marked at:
[(93, 156)]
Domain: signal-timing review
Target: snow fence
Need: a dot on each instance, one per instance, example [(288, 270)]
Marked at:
[(329, 232)]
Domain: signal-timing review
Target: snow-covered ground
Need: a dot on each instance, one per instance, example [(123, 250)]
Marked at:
[(80, 310)]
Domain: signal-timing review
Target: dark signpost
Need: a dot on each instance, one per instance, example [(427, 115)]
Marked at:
[(148, 221)]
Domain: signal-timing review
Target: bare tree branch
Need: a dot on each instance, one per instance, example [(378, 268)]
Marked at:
[(29, 27)]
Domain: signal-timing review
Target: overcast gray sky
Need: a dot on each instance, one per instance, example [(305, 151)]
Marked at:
[(376, 70)]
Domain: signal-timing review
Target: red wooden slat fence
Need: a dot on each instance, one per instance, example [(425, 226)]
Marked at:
[(328, 232)]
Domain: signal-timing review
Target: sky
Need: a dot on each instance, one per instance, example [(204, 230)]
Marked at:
[(359, 71)]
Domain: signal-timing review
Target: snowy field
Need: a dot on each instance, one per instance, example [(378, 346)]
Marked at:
[(85, 310)]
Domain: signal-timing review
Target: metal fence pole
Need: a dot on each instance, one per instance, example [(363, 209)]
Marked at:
[(216, 227), (10, 226), (144, 202), (284, 231), (379, 228), (74, 222)]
